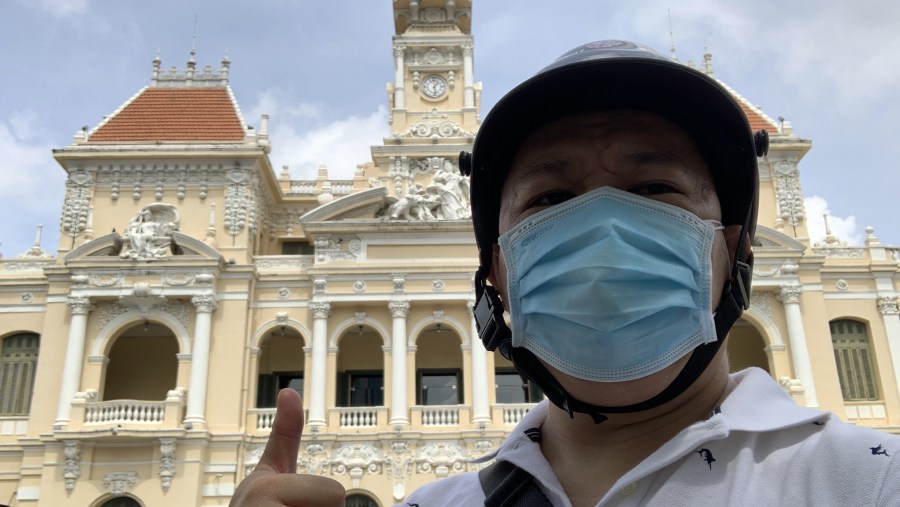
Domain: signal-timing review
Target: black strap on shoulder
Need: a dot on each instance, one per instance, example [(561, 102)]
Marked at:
[(507, 485)]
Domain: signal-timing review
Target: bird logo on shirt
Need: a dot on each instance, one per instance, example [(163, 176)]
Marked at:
[(879, 450), (707, 456)]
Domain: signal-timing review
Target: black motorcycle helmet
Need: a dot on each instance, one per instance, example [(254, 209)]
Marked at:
[(616, 75)]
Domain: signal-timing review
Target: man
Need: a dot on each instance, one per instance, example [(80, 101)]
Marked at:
[(614, 200)]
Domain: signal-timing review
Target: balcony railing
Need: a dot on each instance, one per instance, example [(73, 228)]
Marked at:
[(125, 411), (262, 419), (437, 415), (509, 414), (360, 417), (88, 414)]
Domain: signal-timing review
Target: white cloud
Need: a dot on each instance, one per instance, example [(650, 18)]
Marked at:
[(33, 185), (62, 8), (301, 140), (844, 228), (836, 53), (279, 104), (340, 145)]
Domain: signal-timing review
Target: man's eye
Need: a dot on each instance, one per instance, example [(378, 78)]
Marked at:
[(653, 189), (551, 199)]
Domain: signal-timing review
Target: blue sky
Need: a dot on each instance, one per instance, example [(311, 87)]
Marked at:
[(319, 69)]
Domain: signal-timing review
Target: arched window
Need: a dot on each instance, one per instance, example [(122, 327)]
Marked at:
[(359, 500), (856, 369), (18, 359), (121, 501)]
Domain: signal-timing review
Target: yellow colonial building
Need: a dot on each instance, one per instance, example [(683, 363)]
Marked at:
[(193, 281)]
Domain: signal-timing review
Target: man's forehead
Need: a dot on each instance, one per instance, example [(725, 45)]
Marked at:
[(639, 138)]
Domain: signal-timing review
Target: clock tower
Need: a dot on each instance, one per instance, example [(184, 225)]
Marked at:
[(433, 112), (433, 65)]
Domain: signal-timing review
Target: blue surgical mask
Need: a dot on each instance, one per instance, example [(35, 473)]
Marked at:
[(610, 286)]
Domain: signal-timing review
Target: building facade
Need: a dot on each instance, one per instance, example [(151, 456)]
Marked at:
[(139, 367)]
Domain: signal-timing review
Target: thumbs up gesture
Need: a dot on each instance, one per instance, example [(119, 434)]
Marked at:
[(275, 482)]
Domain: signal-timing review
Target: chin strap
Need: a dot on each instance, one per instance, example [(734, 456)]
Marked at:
[(495, 334)]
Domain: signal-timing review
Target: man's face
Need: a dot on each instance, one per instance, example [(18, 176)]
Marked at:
[(638, 152)]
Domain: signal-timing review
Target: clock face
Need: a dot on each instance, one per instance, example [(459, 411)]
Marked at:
[(434, 86)]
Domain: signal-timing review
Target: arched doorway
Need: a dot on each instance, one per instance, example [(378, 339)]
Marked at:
[(360, 500), (439, 367), (121, 501), (281, 365), (143, 364), (746, 348), (360, 369)]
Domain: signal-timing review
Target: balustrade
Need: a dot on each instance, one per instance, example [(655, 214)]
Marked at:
[(125, 411)]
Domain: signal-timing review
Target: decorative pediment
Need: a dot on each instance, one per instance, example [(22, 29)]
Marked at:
[(771, 240), (112, 245), (359, 205)]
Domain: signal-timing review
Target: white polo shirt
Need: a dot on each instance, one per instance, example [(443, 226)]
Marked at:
[(760, 449)]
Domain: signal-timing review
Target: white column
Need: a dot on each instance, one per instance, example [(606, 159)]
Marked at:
[(887, 306), (399, 403), (399, 79), (468, 78), (790, 297), (71, 377), (481, 411), (319, 380), (196, 402)]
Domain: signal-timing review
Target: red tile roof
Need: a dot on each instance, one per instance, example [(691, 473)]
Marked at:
[(174, 114), (757, 121)]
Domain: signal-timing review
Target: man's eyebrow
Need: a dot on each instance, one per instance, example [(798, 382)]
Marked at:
[(541, 167), (658, 157)]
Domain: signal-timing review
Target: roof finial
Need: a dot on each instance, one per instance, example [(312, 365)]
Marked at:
[(154, 76), (194, 36), (707, 61), (671, 36)]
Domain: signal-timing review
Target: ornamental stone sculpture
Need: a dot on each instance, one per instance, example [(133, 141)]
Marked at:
[(149, 234)]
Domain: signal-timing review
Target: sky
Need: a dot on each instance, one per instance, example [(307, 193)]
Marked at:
[(319, 69)]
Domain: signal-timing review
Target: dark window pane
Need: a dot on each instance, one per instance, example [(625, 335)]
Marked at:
[(439, 389), (366, 389), (510, 388)]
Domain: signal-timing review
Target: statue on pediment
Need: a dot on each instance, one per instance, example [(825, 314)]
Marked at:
[(149, 234)]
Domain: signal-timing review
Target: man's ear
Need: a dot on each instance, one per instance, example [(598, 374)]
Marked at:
[(732, 238)]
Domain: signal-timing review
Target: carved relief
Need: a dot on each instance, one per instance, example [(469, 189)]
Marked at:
[(887, 305), (768, 271), (109, 310), (446, 198), (320, 310), (118, 483), (441, 458), (399, 467), (788, 195), (762, 301), (399, 308), (285, 262), (149, 234), (357, 459), (790, 294), (72, 468), (77, 203), (241, 205), (166, 462), (314, 460), (254, 453)]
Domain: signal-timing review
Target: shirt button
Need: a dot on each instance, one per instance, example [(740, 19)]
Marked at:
[(629, 489)]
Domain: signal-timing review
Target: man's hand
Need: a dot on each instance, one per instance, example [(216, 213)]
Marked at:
[(275, 482)]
